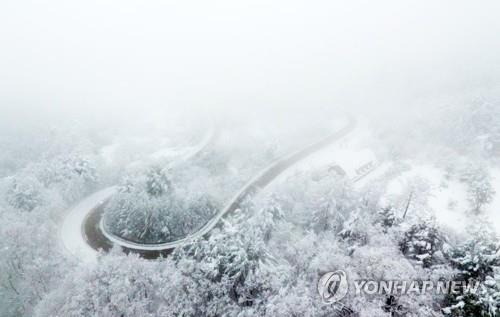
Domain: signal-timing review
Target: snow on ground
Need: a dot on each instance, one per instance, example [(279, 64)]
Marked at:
[(71, 229), (348, 153), (446, 197)]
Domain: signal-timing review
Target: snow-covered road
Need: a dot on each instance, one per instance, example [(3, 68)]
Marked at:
[(253, 186), (76, 224), (72, 231)]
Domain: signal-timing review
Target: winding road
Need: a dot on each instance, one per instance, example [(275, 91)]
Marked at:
[(78, 238), (98, 239)]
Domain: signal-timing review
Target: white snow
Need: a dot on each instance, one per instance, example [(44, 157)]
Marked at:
[(447, 197), (71, 229), (348, 153)]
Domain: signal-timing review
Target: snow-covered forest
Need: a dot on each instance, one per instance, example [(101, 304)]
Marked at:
[(418, 215), (220, 158)]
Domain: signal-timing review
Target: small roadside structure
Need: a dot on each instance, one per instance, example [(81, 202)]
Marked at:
[(354, 164)]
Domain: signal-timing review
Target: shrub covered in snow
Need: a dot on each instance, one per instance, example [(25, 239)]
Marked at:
[(25, 193), (68, 176), (149, 209), (422, 243)]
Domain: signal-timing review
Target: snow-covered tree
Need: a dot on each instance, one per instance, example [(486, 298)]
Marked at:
[(30, 263), (25, 192), (226, 274), (263, 221), (118, 286), (354, 230), (480, 191), (386, 217), (148, 208), (477, 259), (157, 182), (423, 243), (394, 308), (324, 204)]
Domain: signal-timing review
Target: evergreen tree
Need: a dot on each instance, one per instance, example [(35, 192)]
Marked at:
[(480, 191), (477, 259), (422, 242), (386, 217), (392, 307), (157, 182)]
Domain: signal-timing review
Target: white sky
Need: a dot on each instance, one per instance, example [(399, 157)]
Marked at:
[(135, 55)]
